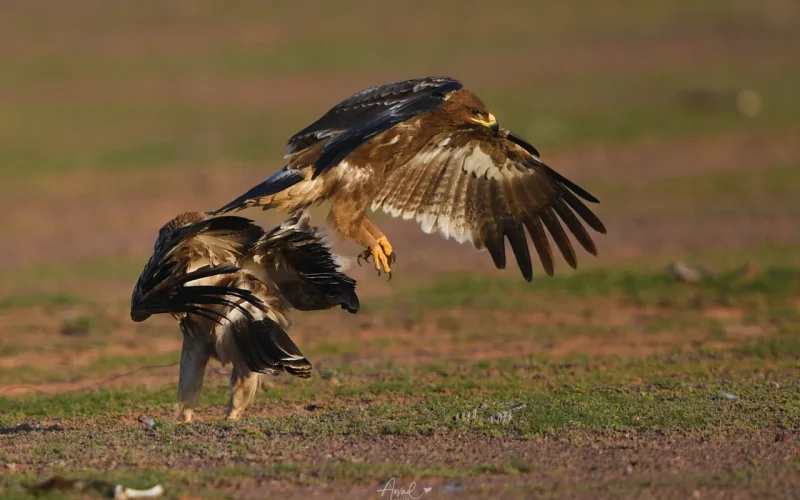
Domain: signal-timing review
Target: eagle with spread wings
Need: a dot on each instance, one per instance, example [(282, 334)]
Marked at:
[(231, 285), (429, 150)]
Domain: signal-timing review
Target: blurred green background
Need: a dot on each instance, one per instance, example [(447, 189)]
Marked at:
[(156, 84), (681, 116)]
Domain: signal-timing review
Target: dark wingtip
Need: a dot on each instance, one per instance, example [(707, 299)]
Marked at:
[(519, 245), (139, 316), (277, 182), (527, 146), (571, 185), (350, 302)]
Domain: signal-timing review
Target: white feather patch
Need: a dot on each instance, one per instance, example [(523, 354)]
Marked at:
[(481, 164)]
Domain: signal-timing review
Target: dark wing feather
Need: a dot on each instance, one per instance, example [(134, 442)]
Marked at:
[(366, 105), (264, 346), (368, 113), (219, 241), (297, 259), (527, 146), (171, 296), (277, 182), (471, 185)]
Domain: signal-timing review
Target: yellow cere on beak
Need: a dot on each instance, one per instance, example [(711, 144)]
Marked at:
[(493, 124), (490, 123)]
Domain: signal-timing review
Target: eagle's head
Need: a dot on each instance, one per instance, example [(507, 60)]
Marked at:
[(154, 273), (178, 222), (465, 107)]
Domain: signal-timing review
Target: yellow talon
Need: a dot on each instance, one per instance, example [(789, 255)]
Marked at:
[(385, 245), (388, 251), (382, 262)]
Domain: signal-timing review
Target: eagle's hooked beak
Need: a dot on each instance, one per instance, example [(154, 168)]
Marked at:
[(493, 124)]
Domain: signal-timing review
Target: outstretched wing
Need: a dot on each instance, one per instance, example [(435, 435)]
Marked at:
[(471, 185), (368, 113), (295, 256)]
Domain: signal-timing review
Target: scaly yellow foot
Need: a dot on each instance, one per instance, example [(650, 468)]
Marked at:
[(382, 262), (387, 249)]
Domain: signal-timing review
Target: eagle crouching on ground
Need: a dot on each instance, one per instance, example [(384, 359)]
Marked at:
[(429, 150), (230, 284)]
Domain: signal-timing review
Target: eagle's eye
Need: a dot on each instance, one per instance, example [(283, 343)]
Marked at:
[(476, 112)]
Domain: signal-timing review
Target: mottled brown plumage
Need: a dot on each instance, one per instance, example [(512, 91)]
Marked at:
[(430, 151), (231, 286)]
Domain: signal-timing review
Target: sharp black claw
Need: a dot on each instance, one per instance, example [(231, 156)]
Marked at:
[(365, 255)]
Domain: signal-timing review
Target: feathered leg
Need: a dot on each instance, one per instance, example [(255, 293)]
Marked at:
[(347, 220), (194, 358), (244, 385)]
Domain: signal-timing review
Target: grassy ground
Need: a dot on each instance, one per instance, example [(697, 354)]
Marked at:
[(467, 382), (615, 381)]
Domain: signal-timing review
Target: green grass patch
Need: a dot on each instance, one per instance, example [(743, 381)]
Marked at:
[(653, 287), (678, 391)]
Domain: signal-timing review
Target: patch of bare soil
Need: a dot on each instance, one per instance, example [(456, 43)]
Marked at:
[(596, 465)]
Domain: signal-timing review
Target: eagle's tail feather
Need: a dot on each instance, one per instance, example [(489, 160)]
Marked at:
[(260, 194), (264, 346)]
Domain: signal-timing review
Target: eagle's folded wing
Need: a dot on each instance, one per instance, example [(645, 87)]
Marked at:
[(471, 185)]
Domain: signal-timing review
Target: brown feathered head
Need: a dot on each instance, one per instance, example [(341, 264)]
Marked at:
[(178, 222), (465, 107)]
